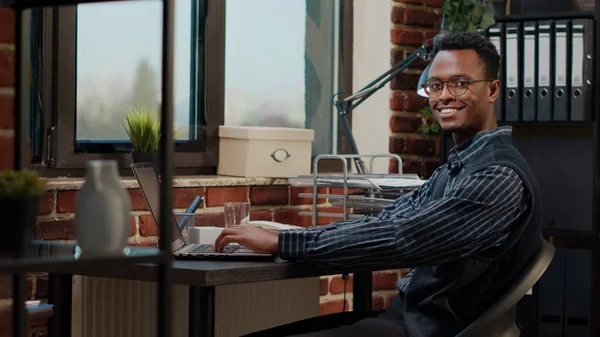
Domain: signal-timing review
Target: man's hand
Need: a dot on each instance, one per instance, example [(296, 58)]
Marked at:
[(254, 238)]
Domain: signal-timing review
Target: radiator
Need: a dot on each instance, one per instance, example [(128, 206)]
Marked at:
[(104, 307)]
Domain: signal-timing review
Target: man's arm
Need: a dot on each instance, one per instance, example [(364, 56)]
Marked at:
[(473, 217)]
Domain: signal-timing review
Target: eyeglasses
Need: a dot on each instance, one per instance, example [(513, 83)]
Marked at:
[(457, 86)]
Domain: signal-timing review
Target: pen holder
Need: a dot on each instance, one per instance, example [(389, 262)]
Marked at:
[(184, 221)]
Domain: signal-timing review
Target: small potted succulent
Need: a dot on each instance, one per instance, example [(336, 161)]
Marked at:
[(20, 193)]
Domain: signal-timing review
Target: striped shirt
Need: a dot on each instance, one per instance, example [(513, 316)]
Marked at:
[(467, 213)]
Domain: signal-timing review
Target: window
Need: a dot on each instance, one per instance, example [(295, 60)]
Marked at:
[(278, 66)]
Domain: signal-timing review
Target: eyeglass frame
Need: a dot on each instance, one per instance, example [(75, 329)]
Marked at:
[(442, 82)]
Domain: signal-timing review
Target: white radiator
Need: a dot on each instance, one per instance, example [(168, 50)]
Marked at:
[(105, 307)]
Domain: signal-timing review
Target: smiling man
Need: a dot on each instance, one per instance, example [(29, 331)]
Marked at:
[(466, 233)]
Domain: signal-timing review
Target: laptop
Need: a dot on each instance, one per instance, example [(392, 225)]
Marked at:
[(150, 186)]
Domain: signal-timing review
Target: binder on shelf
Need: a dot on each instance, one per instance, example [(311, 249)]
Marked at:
[(551, 287), (495, 36), (578, 292), (582, 71), (544, 105), (512, 97), (561, 108), (528, 93)]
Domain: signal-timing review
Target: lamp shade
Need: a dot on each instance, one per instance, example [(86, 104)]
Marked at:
[(422, 79)]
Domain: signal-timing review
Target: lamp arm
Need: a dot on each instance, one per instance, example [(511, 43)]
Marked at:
[(344, 106)]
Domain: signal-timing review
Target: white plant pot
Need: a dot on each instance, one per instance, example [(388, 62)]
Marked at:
[(102, 206)]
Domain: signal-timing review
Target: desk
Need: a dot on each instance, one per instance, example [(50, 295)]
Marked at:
[(202, 277)]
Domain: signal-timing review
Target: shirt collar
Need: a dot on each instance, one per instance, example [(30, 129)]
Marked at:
[(461, 155)]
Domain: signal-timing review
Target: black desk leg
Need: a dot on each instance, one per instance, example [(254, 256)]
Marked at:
[(202, 312), (362, 291), (60, 294)]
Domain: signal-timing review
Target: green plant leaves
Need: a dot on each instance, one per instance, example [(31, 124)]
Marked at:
[(20, 184), (467, 15), (143, 128)]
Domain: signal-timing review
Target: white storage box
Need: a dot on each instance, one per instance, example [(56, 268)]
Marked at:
[(246, 151)]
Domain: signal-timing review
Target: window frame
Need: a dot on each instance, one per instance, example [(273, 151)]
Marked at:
[(58, 154)]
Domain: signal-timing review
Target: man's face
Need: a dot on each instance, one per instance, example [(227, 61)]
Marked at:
[(472, 107)]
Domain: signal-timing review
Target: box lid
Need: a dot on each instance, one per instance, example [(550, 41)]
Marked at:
[(265, 133)]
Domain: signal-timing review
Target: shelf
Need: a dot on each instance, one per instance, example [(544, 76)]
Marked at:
[(24, 4), (66, 258)]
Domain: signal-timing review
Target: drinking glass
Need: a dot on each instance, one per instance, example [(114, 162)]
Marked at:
[(236, 213)]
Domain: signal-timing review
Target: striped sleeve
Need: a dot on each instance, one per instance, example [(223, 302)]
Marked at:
[(473, 216)]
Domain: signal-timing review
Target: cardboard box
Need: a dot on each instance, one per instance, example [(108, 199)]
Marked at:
[(246, 151)]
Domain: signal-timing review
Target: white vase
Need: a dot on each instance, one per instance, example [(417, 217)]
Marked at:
[(102, 206)]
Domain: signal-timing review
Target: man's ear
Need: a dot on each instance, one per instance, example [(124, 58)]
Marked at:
[(494, 90)]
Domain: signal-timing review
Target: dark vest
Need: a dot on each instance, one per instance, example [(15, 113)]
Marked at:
[(444, 299)]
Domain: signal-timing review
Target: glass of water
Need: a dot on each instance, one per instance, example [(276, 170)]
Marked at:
[(236, 213)]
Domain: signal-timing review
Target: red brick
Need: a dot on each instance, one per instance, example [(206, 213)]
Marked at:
[(56, 229), (405, 123), (377, 303), (46, 203), (147, 226), (7, 25), (291, 217), (413, 2), (269, 195), (336, 286), (405, 81), (6, 286), (144, 244), (398, 14), (407, 36), (7, 68), (384, 280), (398, 55), (434, 3), (414, 102), (389, 298), (397, 101), (7, 148), (430, 34), (425, 17), (41, 287), (133, 229), (260, 215), (183, 197), (411, 166), (65, 201), (331, 307), (296, 200), (217, 196), (396, 145), (7, 120), (420, 146), (393, 167), (324, 286), (138, 203), (210, 219)]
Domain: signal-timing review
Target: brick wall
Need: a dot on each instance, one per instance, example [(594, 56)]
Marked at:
[(37, 285), (413, 22)]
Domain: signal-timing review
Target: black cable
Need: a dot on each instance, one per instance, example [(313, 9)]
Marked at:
[(345, 278)]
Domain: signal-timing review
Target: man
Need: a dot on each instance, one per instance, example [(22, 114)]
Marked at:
[(466, 233)]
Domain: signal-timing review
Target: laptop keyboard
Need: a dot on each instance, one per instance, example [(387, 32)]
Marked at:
[(208, 248)]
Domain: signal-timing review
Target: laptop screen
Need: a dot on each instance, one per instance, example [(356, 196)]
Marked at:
[(150, 186)]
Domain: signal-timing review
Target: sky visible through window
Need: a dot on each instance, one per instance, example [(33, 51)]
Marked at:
[(119, 64)]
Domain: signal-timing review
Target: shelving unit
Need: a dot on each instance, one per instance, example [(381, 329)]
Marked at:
[(563, 154), (65, 262)]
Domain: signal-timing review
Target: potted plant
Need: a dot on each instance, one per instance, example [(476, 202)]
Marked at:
[(143, 129), (20, 193)]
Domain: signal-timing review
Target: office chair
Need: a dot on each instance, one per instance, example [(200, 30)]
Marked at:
[(500, 319)]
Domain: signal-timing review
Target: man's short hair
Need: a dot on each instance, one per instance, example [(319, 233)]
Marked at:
[(485, 49)]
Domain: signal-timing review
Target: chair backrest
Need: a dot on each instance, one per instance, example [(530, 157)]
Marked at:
[(499, 319)]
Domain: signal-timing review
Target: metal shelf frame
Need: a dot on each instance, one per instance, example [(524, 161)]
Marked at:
[(166, 154)]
